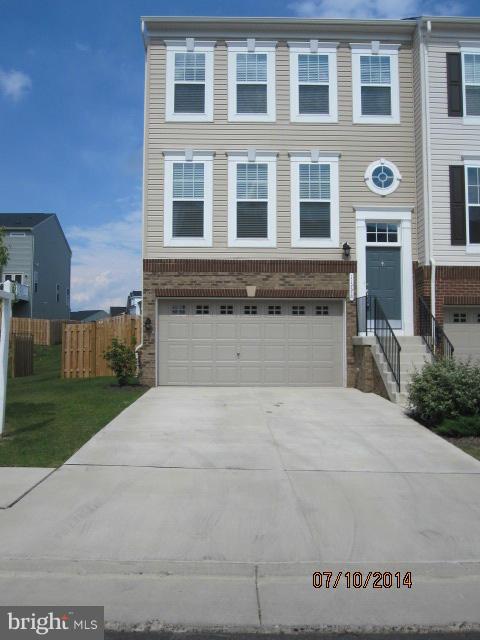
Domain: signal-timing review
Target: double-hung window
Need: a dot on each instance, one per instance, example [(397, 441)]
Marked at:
[(313, 81), (189, 80), (251, 81), (473, 206), (315, 202), (471, 82), (188, 199), (375, 83), (252, 199)]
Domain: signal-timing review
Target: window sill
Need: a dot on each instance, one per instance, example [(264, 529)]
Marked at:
[(187, 242), (252, 243), (376, 120), (471, 120), (297, 117), (188, 117), (254, 117), (326, 243), (472, 248)]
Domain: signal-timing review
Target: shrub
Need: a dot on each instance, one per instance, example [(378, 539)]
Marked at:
[(122, 361), (444, 389), (461, 427)]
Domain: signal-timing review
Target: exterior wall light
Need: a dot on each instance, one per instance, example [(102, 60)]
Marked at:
[(346, 250), (147, 324)]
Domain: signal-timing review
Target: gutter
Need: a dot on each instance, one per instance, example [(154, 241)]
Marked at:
[(427, 154)]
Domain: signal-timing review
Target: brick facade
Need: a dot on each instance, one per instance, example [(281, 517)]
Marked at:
[(272, 278), (453, 286)]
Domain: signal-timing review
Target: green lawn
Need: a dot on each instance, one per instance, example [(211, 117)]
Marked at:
[(469, 445), (48, 418)]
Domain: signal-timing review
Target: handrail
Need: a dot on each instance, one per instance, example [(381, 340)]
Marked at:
[(432, 333), (371, 318)]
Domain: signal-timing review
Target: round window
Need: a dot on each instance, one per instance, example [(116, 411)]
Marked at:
[(382, 177)]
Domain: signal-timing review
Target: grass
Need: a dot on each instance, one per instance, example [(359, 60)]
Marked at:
[(49, 418), (469, 445)]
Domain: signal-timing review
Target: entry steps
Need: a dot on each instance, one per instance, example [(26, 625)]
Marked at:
[(413, 355)]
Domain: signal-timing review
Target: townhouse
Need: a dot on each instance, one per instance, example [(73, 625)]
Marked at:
[(281, 185)]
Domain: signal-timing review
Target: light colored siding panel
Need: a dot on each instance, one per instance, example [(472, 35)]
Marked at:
[(358, 144), (450, 139)]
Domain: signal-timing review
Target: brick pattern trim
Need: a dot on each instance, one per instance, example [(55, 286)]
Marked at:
[(301, 293), (176, 265), (200, 293), (242, 293), (462, 300)]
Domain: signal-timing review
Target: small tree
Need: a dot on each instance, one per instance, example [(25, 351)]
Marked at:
[(3, 248), (122, 361)]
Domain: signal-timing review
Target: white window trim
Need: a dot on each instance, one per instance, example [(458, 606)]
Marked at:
[(322, 48), (383, 50), (468, 47), (180, 46), (297, 158), (265, 157), (397, 177), (471, 247), (206, 157), (259, 46), (403, 217)]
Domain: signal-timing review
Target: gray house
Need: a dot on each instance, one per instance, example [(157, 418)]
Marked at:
[(39, 262)]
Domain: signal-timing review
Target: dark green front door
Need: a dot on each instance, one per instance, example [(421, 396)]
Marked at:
[(384, 281)]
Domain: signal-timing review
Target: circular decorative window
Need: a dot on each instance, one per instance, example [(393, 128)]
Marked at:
[(382, 177)]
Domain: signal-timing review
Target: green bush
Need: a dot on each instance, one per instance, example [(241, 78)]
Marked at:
[(461, 427), (122, 361), (444, 389)]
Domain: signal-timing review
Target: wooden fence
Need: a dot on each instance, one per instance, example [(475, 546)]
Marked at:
[(83, 345), (21, 355), (45, 332)]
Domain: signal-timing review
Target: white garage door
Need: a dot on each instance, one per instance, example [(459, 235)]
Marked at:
[(462, 326), (231, 342)]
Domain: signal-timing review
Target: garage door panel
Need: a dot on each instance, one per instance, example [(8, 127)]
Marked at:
[(289, 343), (462, 327)]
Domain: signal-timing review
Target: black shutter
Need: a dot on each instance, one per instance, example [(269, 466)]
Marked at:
[(454, 85), (458, 228)]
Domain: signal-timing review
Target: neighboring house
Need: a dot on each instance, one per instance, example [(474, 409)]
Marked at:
[(134, 303), (117, 311), (447, 66), (279, 185), (89, 315), (39, 262)]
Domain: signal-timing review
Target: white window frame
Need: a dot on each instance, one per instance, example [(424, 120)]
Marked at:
[(468, 48), (308, 157), (189, 46), (397, 177), (205, 157), (251, 46), (375, 48), (322, 48), (471, 247), (259, 157)]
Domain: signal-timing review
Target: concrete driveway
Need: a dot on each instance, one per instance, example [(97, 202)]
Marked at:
[(213, 507)]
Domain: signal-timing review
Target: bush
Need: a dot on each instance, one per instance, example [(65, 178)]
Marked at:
[(444, 389), (122, 361), (461, 427)]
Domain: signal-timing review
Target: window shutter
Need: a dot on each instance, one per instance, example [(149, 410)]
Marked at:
[(454, 85), (457, 206)]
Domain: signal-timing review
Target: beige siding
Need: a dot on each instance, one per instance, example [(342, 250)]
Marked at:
[(358, 144), (450, 138)]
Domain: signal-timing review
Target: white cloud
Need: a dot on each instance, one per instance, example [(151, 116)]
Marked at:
[(106, 262), (374, 9), (14, 84)]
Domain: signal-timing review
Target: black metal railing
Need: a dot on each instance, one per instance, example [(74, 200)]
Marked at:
[(371, 318), (432, 333)]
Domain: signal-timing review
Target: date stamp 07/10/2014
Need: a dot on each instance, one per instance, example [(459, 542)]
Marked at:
[(359, 580)]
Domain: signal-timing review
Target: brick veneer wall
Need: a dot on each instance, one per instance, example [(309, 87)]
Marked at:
[(171, 277), (453, 286)]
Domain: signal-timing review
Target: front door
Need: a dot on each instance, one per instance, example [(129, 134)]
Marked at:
[(384, 281)]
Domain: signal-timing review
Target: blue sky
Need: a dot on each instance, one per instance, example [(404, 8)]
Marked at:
[(71, 117)]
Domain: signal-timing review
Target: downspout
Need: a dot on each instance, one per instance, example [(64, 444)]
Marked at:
[(424, 75), (139, 347)]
